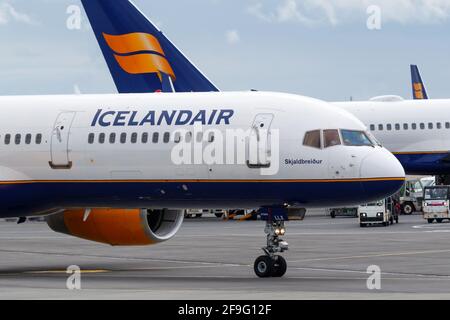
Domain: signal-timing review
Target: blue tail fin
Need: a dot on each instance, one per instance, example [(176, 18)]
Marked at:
[(419, 92), (140, 58)]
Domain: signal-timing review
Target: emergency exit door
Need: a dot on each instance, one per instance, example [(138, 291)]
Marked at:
[(60, 158), (259, 148)]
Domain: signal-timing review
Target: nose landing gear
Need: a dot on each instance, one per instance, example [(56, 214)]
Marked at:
[(271, 264)]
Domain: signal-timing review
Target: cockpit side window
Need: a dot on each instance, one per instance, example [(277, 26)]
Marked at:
[(312, 139), (331, 138), (355, 138)]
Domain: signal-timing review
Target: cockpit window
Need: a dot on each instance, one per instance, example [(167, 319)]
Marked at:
[(373, 139), (312, 139), (355, 138), (331, 138)]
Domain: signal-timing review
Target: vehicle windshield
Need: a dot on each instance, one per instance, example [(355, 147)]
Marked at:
[(374, 204), (436, 193), (355, 138)]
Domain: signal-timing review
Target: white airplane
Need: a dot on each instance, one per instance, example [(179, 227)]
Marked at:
[(417, 132), (120, 169)]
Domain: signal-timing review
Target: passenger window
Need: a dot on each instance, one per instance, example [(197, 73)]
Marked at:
[(405, 126), (439, 125), (123, 137), (355, 138), (447, 125), (331, 138), (134, 137), (7, 139), (430, 125), (144, 138), (312, 139), (155, 137), (414, 126), (380, 127), (389, 127), (101, 138), (188, 137), (397, 126), (91, 138), (177, 138), (28, 138), (38, 138), (17, 138), (211, 137), (372, 127), (422, 126), (199, 136), (112, 138), (166, 137)]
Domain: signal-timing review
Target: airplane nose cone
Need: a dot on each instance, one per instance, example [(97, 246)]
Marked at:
[(381, 174)]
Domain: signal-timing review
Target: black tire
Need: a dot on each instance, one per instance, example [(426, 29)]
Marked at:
[(263, 266), (199, 215), (439, 220), (430, 220), (279, 267), (408, 208), (362, 225), (333, 214)]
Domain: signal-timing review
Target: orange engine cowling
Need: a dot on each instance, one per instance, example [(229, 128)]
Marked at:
[(119, 227)]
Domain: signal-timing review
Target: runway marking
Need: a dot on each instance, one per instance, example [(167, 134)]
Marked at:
[(64, 271), (375, 255), (427, 276)]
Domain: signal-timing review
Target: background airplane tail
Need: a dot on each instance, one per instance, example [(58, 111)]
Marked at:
[(418, 87), (140, 58)]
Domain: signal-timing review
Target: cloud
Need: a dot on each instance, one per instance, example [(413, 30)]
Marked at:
[(233, 37), (8, 14), (334, 12)]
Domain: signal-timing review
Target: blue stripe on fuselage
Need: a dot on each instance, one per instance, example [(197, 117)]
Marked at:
[(28, 199), (425, 163)]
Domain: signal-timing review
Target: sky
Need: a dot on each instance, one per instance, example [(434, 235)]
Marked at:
[(318, 48)]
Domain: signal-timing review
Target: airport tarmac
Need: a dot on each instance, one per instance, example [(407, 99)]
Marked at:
[(213, 259)]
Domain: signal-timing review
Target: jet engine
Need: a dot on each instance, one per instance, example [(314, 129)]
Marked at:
[(118, 227)]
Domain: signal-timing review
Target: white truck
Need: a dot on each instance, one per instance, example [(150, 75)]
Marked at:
[(411, 194), (379, 212), (436, 203)]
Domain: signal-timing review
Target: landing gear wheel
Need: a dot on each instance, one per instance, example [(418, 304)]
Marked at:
[(263, 266), (362, 225), (272, 264), (279, 267)]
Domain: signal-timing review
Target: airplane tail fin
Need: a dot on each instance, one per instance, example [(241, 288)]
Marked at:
[(419, 91), (140, 58)]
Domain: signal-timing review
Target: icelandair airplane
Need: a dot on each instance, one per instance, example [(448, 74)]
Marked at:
[(121, 169), (413, 130)]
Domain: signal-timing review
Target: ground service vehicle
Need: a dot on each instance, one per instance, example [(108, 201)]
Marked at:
[(436, 203), (379, 212)]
